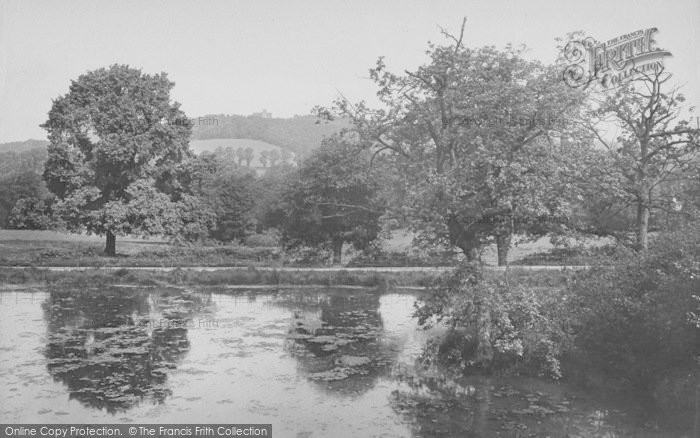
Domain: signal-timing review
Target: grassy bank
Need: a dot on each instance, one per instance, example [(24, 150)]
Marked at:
[(250, 276), (253, 276), (50, 248)]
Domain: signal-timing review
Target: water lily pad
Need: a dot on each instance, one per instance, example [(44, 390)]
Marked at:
[(354, 361), (331, 375)]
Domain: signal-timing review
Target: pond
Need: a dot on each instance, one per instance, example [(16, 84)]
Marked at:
[(313, 362)]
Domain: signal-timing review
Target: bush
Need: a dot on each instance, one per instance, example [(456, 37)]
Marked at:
[(268, 238), (307, 256), (376, 255), (569, 256), (500, 326), (636, 325), (635, 321), (32, 214)]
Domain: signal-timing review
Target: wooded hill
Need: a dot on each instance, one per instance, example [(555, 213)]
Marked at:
[(300, 134)]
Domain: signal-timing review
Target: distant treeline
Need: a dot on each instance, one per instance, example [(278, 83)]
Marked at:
[(21, 146), (23, 161)]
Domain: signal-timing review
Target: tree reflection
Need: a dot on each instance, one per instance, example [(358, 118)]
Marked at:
[(113, 348), (436, 403), (338, 339)]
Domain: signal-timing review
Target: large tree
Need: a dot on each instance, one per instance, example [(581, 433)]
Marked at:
[(655, 154), (115, 162), (480, 131), (230, 194), (334, 200)]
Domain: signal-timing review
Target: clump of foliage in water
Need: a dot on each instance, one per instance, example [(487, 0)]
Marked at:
[(494, 324)]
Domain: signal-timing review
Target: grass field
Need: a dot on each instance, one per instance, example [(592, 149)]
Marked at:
[(400, 241), (50, 248), (37, 249)]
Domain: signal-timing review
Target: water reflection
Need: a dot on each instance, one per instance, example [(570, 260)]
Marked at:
[(438, 403), (339, 339), (315, 363), (113, 348)]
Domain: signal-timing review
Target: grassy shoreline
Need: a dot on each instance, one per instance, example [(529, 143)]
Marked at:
[(254, 276), (190, 277)]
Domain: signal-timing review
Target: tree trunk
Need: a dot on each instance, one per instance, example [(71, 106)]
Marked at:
[(337, 251), (696, 426), (484, 351), (502, 247), (472, 254), (642, 225), (464, 239), (111, 246)]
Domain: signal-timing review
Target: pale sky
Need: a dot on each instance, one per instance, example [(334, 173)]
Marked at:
[(239, 57)]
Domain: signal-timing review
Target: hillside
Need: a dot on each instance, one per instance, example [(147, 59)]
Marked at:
[(199, 146), (23, 146), (300, 134)]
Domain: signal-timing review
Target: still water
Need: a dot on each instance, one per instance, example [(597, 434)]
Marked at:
[(313, 362)]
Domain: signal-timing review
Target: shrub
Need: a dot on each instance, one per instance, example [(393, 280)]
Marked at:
[(32, 214), (636, 327), (268, 238), (577, 255), (307, 256), (379, 257), (501, 326), (635, 318)]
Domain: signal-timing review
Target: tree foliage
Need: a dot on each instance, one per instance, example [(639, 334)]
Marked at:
[(636, 325), (116, 156), (479, 130), (231, 196), (656, 154), (33, 214), (494, 324), (334, 199), (16, 186)]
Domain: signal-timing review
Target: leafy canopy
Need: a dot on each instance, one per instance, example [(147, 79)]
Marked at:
[(335, 198), (115, 162), (480, 130)]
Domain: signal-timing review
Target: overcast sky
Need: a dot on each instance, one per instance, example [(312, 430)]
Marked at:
[(238, 57)]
